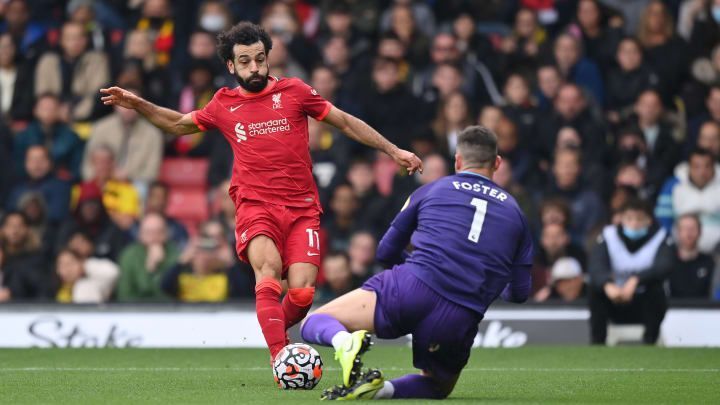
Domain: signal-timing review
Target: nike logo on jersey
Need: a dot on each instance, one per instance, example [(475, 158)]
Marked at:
[(313, 254), (232, 109)]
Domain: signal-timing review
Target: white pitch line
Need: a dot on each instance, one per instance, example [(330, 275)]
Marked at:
[(265, 369)]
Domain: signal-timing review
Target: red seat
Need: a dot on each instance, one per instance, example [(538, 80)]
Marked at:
[(188, 205), (184, 172)]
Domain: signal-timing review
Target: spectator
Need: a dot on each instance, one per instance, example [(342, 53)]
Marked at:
[(577, 69), (325, 81), (712, 105), (632, 149), (16, 100), (74, 75), (521, 48), (626, 81), (139, 53), (282, 63), (477, 82), (692, 274), (505, 178), (555, 211), (338, 277), (520, 108), (390, 108), (599, 38), (336, 55), (55, 193), (372, 205), (205, 278), (156, 20), (705, 32), (214, 16), (566, 281), (32, 205), (586, 207), (453, 116), (135, 143), (156, 203), (421, 13), (84, 280), (225, 207), (404, 26), (362, 256), (658, 133), (571, 109), (28, 35), (22, 266), (224, 252), (694, 189), (555, 244), (66, 149), (91, 218), (342, 220), (120, 198), (329, 157), (143, 263), (509, 147), (549, 81), (709, 138), (628, 266), (666, 53)]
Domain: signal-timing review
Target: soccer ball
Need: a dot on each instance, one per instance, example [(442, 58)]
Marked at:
[(297, 366)]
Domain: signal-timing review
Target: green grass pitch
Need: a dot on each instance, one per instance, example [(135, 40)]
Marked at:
[(629, 375)]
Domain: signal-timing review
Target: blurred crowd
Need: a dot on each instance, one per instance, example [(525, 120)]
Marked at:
[(607, 114)]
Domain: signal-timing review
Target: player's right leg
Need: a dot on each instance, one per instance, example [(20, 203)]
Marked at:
[(265, 260), (332, 324)]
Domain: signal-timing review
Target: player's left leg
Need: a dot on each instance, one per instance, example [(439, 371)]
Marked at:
[(302, 258), (372, 385), (301, 290)]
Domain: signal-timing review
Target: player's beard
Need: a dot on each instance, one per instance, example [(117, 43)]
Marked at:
[(254, 84)]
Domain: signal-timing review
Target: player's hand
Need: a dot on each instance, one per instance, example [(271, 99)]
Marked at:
[(120, 97), (408, 160)]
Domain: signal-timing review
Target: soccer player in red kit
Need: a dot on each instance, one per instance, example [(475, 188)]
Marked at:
[(277, 208)]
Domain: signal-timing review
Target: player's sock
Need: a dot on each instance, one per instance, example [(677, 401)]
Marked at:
[(412, 386), (320, 329), (386, 392), (270, 314), (296, 304)]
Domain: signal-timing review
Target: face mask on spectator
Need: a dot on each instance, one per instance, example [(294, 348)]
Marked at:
[(212, 22), (635, 234), (716, 13)]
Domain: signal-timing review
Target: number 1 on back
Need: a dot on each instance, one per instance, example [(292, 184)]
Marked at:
[(478, 219)]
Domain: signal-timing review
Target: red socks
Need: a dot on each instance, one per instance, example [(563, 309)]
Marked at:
[(296, 304), (270, 314)]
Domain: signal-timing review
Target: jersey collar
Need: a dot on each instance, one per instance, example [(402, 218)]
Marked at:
[(474, 174), (272, 81)]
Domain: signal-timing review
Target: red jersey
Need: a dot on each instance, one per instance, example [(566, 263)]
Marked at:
[(268, 133)]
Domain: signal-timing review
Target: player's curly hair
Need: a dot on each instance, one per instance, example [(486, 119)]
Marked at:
[(243, 33)]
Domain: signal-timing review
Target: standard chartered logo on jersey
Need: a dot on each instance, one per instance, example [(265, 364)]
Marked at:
[(261, 128)]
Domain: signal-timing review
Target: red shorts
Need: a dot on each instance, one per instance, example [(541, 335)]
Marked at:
[(293, 229)]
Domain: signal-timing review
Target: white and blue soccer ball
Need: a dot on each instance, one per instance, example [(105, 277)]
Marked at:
[(297, 367)]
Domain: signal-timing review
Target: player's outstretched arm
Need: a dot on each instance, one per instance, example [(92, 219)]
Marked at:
[(358, 130), (166, 119)]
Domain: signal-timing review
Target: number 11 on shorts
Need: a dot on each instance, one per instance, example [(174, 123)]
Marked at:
[(478, 219), (313, 238)]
